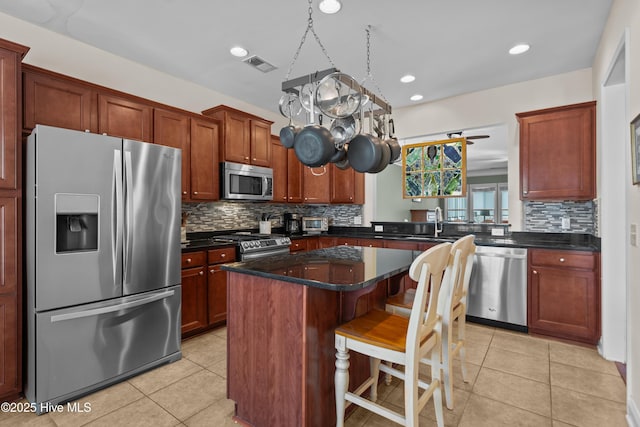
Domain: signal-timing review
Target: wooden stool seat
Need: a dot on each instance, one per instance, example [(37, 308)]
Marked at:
[(402, 299)]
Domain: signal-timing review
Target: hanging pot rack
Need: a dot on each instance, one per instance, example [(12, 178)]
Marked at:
[(294, 86)]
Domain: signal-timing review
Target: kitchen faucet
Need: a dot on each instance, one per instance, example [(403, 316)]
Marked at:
[(438, 219)]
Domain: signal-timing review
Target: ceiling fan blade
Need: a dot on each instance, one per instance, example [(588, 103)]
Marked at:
[(477, 136)]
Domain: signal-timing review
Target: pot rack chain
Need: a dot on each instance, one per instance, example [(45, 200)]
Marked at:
[(369, 74), (304, 38)]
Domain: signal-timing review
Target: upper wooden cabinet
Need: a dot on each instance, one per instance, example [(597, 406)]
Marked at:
[(316, 184), (245, 138), (52, 100), (557, 153), (125, 118), (205, 165), (279, 165), (347, 186), (173, 129)]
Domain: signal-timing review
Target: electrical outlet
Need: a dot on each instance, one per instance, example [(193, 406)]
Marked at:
[(497, 231), (378, 228), (566, 223), (357, 220), (633, 234)]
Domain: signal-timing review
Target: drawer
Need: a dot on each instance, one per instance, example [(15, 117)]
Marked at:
[(298, 245), (564, 259), (218, 256), (193, 259)]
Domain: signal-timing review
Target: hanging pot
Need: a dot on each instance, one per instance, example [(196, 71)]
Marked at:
[(288, 135), (335, 96), (343, 130), (393, 144), (314, 146), (365, 153), (385, 156)]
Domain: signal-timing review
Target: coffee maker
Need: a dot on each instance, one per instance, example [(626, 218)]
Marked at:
[(292, 223)]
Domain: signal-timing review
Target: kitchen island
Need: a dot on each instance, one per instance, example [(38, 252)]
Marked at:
[(282, 313)]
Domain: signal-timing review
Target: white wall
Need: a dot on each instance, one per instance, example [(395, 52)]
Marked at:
[(496, 107), (625, 15), (65, 55)]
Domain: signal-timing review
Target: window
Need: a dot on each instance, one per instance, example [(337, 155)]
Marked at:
[(485, 203)]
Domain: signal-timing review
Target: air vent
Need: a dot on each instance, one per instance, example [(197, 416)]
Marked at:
[(259, 63)]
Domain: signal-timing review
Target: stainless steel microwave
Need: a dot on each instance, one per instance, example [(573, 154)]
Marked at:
[(245, 182), (315, 224)]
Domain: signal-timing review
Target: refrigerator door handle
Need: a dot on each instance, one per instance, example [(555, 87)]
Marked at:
[(112, 308), (128, 216), (116, 215)]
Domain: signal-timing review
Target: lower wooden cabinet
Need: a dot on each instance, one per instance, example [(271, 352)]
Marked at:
[(564, 294), (194, 300), (204, 289)]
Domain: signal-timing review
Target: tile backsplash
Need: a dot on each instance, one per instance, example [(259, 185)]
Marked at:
[(214, 216), (547, 216)]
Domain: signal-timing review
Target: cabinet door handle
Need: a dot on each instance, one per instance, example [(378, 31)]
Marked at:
[(246, 158), (212, 271), (535, 272), (223, 255), (184, 193), (188, 260), (561, 259), (195, 193), (201, 273), (254, 159)]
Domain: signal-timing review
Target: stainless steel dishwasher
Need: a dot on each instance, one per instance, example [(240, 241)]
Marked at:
[(498, 287)]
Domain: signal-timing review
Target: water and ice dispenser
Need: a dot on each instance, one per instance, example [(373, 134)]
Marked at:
[(77, 222)]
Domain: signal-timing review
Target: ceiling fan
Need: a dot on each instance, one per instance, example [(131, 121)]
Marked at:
[(458, 134)]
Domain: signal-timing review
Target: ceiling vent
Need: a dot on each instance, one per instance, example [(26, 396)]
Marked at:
[(259, 63)]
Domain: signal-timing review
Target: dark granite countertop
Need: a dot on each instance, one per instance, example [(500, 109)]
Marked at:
[(342, 268), (417, 232)]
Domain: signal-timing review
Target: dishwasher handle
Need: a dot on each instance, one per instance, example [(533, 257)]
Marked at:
[(498, 255)]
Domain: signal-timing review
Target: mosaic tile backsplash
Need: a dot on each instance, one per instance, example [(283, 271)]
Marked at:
[(214, 216), (547, 216)]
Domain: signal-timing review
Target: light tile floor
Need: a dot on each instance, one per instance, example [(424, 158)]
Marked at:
[(515, 380)]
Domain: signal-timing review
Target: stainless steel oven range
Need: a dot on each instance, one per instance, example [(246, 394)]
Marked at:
[(252, 246)]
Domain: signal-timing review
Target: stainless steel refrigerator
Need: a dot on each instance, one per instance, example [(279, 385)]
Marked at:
[(103, 261)]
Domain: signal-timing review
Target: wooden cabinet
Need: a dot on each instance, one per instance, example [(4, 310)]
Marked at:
[(11, 55), (245, 138), (279, 165), (316, 184), (346, 241), (371, 243), (52, 100), (287, 173), (564, 294), (125, 118), (298, 245), (347, 186), (558, 153), (295, 178), (326, 242), (205, 165), (217, 284), (204, 289), (172, 129)]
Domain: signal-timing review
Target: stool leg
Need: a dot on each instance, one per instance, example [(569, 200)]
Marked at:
[(374, 367), (411, 408), (461, 343), (436, 358), (447, 367), (387, 377), (341, 379)]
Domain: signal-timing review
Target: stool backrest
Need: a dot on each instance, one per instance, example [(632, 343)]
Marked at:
[(468, 249), (431, 266)]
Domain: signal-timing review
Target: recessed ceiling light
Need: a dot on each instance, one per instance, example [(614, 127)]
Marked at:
[(238, 51), (416, 97), (407, 79), (519, 48), (329, 6)]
